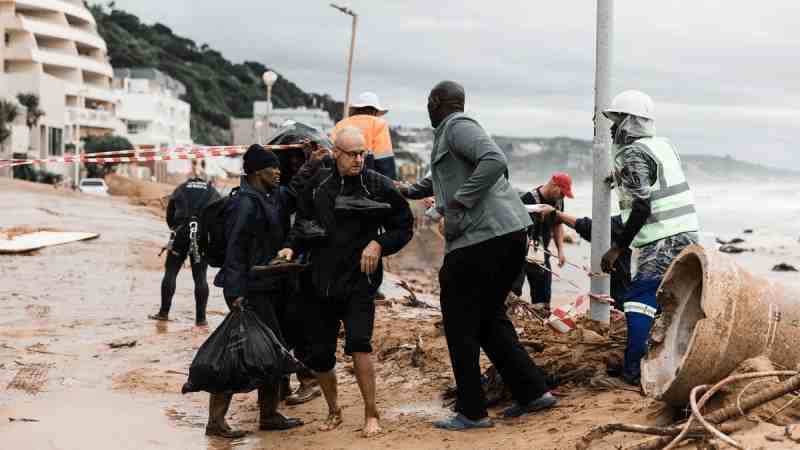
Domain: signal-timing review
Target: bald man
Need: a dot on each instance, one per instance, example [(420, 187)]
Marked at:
[(365, 218)]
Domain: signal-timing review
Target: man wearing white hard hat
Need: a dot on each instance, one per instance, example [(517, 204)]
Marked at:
[(365, 114), (658, 209)]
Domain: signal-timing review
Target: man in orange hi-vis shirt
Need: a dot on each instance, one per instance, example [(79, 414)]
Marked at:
[(365, 114)]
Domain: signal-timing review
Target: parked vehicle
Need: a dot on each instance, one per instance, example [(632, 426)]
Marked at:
[(93, 186)]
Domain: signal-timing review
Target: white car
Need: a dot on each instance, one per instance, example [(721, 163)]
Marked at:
[(93, 186)]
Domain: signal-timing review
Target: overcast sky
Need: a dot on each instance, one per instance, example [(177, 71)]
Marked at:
[(724, 74)]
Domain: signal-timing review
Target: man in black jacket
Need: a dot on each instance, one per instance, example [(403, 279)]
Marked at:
[(185, 205), (257, 225), (621, 275), (365, 218)]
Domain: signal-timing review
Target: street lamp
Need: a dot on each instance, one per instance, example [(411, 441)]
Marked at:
[(269, 78), (258, 124), (76, 135), (352, 14)]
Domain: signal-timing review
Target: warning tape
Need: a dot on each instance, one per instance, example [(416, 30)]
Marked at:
[(581, 268), (145, 155)]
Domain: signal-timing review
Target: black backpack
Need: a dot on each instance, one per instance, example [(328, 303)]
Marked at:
[(211, 238)]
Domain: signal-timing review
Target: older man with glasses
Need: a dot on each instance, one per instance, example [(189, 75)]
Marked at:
[(365, 218)]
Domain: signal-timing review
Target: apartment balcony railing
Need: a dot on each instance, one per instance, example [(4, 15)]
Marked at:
[(93, 118)]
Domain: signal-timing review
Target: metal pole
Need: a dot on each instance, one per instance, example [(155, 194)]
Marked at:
[(350, 67), (269, 110), (601, 148), (77, 155)]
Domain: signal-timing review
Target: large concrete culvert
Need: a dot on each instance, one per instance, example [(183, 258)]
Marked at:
[(714, 316)]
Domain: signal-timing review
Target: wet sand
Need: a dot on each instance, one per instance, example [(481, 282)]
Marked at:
[(61, 306)]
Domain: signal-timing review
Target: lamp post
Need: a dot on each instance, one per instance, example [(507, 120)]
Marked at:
[(269, 78), (258, 124), (601, 195), (77, 155), (352, 14)]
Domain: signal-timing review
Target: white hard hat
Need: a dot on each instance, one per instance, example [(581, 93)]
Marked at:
[(369, 99), (632, 102)]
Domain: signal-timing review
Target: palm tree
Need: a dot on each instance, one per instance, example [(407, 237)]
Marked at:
[(8, 114), (30, 101)]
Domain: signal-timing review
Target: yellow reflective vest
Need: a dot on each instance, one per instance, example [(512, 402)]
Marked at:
[(672, 209)]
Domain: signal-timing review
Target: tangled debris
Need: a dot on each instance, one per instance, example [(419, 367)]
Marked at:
[(753, 391), (568, 360)]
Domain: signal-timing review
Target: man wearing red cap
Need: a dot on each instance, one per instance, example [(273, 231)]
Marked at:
[(544, 229)]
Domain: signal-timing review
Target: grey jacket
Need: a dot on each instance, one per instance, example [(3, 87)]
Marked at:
[(466, 165)]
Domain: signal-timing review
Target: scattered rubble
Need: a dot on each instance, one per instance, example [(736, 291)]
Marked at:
[(123, 343), (732, 241), (784, 267), (733, 249)]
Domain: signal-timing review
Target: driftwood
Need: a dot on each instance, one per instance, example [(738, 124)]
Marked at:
[(717, 417), (411, 298)]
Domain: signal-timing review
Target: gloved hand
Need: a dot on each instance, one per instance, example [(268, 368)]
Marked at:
[(610, 258)]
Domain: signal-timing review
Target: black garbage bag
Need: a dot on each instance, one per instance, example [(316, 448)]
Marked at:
[(241, 355)]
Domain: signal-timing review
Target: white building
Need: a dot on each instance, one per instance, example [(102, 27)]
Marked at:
[(249, 131), (150, 108), (51, 48), (152, 113)]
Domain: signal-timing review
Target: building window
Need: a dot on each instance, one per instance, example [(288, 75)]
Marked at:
[(137, 127), (56, 139)]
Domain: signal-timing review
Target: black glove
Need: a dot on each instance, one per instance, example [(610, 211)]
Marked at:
[(610, 258)]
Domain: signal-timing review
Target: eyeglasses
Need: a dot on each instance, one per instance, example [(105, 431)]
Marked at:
[(353, 153)]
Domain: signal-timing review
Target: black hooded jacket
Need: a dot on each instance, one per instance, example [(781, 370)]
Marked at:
[(336, 262), (257, 225)]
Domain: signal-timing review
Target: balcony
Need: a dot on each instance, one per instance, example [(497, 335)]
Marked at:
[(92, 118), (54, 30), (72, 61), (90, 92), (59, 5)]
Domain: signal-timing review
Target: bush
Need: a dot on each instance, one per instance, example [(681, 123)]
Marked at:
[(107, 143)]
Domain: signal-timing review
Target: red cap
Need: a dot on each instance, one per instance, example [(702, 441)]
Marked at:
[(564, 181)]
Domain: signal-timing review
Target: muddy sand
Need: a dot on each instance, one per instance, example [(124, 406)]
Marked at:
[(66, 388)]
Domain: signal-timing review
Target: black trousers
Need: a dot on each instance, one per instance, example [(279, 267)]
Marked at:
[(295, 320), (475, 282), (539, 280), (171, 268)]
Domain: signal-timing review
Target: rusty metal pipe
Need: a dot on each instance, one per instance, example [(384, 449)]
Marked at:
[(714, 316)]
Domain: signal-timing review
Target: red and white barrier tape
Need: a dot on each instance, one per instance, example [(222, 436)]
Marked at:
[(161, 154)]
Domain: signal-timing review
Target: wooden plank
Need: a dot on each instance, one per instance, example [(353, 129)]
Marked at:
[(34, 241)]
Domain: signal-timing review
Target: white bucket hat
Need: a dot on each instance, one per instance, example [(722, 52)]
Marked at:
[(369, 99)]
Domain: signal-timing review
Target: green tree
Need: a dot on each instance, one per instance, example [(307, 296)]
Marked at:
[(107, 143), (31, 102), (8, 114)]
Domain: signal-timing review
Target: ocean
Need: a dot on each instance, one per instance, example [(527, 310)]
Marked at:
[(771, 209)]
